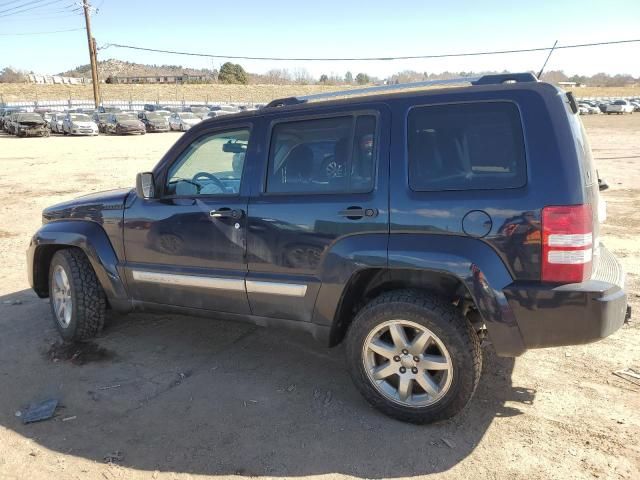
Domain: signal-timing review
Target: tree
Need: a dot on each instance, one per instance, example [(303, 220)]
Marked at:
[(9, 75), (232, 73), (362, 79), (324, 78), (348, 77)]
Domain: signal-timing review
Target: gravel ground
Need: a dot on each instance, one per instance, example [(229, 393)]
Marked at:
[(178, 397)]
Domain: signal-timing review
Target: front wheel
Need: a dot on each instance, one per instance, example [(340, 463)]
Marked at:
[(413, 356), (77, 300)]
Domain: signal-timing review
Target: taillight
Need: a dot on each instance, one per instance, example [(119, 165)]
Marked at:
[(567, 243)]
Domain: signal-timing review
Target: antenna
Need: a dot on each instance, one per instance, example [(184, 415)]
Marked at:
[(545, 62)]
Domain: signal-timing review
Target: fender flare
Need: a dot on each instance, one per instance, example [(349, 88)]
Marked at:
[(480, 270), (471, 262), (93, 241)]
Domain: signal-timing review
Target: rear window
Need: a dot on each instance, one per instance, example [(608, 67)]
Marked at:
[(473, 146)]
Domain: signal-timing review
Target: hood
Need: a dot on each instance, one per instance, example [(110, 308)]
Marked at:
[(83, 124), (191, 121), (129, 123), (87, 207)]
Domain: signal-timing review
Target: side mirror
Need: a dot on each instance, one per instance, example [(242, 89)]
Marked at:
[(145, 185)]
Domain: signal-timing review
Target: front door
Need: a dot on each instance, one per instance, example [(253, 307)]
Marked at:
[(187, 248), (325, 185)]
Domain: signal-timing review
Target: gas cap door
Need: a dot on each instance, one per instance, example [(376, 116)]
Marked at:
[(477, 223)]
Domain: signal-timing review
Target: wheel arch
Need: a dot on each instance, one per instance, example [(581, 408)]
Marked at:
[(449, 266), (92, 240)]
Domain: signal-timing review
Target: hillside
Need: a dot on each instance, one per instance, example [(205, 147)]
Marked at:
[(113, 67)]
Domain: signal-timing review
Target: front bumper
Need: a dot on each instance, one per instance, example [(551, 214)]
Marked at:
[(157, 128), (83, 131), (552, 316)]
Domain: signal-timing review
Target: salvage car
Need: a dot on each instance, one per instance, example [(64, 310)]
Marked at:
[(445, 223), (56, 121), (183, 121), (620, 107), (79, 124), (154, 122), (101, 119), (30, 125), (124, 124)]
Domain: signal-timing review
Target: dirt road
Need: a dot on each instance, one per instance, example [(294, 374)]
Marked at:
[(179, 397)]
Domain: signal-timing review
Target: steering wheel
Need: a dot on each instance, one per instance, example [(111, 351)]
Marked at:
[(209, 176)]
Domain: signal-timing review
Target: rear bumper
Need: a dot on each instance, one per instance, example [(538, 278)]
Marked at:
[(573, 314)]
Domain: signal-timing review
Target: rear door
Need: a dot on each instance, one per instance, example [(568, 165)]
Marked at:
[(324, 178)]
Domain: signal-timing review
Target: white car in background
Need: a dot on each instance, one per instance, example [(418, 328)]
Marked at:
[(79, 124), (55, 124), (183, 121), (619, 107)]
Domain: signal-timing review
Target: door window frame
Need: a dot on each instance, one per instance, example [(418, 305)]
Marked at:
[(354, 114), (162, 178)]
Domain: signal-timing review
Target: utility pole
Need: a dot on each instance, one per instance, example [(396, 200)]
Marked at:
[(92, 53)]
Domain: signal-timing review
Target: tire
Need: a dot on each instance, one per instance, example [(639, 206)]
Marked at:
[(86, 310), (452, 341)]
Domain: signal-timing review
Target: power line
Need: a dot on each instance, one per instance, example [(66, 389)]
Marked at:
[(26, 4), (40, 33), (358, 59), (12, 12)]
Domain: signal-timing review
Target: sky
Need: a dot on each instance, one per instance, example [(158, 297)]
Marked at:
[(329, 28)]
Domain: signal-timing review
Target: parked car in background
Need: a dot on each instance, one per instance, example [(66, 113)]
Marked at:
[(9, 122), (124, 124), (101, 120), (79, 124), (103, 109), (585, 108), (154, 121), (30, 125), (6, 115), (183, 121), (620, 107), (217, 113), (55, 124), (636, 106), (198, 111)]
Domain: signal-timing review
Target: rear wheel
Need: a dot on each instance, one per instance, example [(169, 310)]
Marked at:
[(77, 300), (413, 356)]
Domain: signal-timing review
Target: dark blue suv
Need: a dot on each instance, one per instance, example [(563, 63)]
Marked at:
[(411, 225)]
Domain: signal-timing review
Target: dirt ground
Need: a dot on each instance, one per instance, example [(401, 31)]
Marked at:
[(179, 397)]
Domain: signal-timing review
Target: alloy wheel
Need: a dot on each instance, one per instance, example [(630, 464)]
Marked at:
[(407, 363)]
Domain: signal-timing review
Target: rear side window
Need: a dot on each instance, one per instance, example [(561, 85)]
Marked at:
[(329, 155), (473, 146)]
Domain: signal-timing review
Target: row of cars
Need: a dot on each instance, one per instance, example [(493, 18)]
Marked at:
[(108, 120), (620, 107)]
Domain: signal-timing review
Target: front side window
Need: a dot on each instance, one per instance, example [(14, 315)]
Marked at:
[(323, 156), (211, 165), (472, 146)]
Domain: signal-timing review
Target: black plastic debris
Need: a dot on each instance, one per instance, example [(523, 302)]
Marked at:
[(37, 412)]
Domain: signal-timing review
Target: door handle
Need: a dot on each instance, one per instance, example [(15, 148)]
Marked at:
[(354, 213), (225, 212)]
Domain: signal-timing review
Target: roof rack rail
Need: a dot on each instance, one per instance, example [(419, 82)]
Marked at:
[(481, 80)]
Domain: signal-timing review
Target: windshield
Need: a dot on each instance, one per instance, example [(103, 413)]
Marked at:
[(124, 117), (29, 117), (80, 117), (187, 115)]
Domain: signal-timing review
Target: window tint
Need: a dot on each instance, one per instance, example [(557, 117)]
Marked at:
[(322, 156), (211, 165), (467, 146)]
